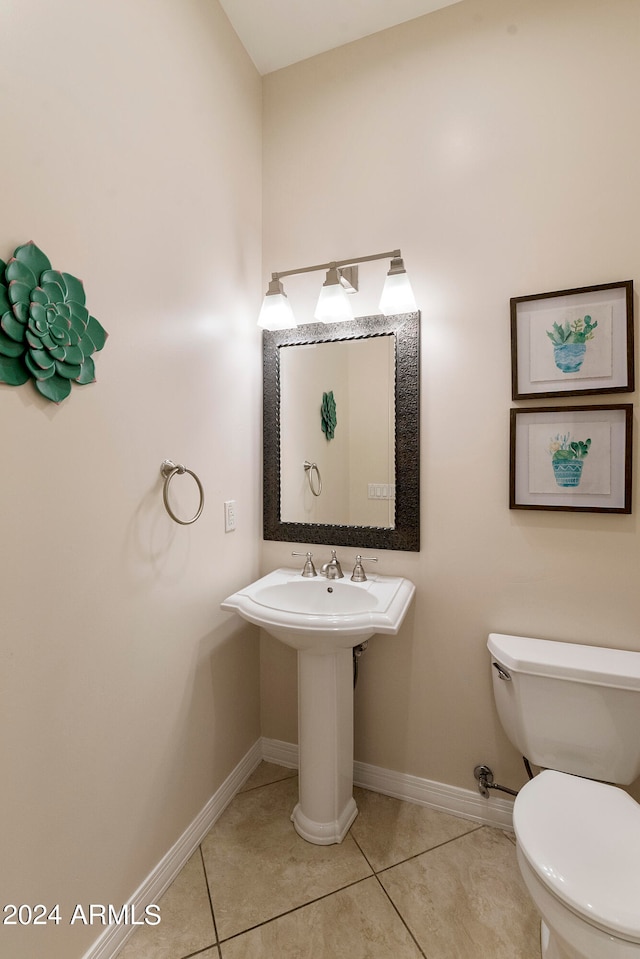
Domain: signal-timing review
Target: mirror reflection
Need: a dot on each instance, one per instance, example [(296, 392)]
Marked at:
[(353, 482), (343, 399)]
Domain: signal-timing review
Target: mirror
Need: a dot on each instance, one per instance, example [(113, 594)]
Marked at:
[(353, 478), (361, 451)]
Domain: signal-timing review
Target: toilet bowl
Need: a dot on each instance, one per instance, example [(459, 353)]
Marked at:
[(578, 849), (575, 711)]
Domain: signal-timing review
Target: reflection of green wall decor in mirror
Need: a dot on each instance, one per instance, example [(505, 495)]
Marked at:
[(328, 415), (46, 332)]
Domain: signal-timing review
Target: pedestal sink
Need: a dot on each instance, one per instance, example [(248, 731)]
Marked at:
[(324, 619)]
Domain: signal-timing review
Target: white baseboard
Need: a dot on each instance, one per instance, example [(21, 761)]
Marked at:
[(114, 937), (278, 752), (450, 799), (454, 800), (465, 803)]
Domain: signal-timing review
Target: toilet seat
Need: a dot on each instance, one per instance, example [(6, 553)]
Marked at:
[(582, 840)]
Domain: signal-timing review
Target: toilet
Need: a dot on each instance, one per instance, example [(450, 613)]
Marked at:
[(575, 711)]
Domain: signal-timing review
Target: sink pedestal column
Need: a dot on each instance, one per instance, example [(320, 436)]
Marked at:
[(326, 807)]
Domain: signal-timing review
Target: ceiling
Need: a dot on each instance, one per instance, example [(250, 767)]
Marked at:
[(277, 33)]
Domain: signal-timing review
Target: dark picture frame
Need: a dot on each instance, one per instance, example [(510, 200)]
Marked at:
[(576, 458), (573, 342)]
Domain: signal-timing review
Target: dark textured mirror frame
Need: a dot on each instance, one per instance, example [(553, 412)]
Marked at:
[(406, 534)]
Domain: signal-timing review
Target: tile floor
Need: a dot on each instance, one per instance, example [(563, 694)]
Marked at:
[(408, 882)]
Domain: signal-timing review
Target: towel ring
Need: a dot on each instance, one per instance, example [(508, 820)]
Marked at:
[(169, 470), (310, 469)]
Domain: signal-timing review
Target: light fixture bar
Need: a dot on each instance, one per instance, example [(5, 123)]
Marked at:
[(390, 254), (333, 304)]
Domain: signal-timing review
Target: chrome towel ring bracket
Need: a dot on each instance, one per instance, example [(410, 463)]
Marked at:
[(310, 469), (169, 470)]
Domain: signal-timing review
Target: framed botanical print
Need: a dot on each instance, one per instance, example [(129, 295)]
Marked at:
[(571, 458), (573, 342)]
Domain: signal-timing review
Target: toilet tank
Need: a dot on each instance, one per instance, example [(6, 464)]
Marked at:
[(569, 707)]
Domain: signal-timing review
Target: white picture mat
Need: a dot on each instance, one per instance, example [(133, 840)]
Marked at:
[(609, 305), (566, 421)]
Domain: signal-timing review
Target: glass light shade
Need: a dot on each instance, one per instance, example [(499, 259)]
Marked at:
[(276, 313), (397, 295), (333, 302)]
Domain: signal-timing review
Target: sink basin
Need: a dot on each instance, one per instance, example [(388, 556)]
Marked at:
[(323, 619), (332, 598), (323, 614)]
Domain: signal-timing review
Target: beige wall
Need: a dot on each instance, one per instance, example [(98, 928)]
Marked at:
[(131, 154), (495, 143)]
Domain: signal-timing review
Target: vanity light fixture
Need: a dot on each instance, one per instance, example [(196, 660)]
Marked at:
[(397, 295), (276, 312), (333, 303)]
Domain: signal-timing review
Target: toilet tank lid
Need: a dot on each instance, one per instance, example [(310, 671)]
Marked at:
[(582, 839), (619, 668)]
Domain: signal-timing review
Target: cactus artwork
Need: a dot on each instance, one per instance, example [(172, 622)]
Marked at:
[(567, 459), (570, 342), (46, 332)]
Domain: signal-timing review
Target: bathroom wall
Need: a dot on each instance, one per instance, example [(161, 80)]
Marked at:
[(493, 142), (131, 154)]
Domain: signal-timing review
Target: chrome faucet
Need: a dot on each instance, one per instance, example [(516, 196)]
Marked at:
[(332, 569)]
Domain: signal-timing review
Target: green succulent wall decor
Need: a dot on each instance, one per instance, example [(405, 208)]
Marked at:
[(328, 415), (46, 332)]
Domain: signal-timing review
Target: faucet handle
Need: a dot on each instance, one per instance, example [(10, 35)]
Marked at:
[(359, 575), (308, 569)]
